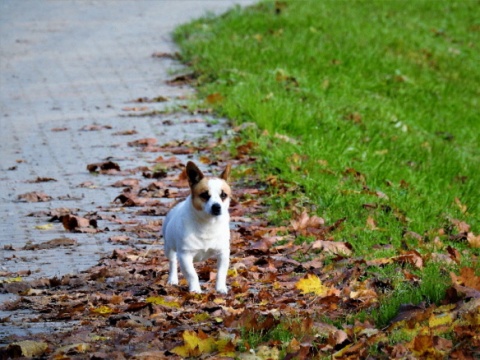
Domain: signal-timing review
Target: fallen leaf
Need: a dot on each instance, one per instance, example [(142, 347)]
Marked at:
[(462, 207), (103, 166), (143, 142), (214, 98), (467, 278), (51, 244), (371, 223), (412, 257), (333, 247), (44, 227), (26, 348), (77, 223), (473, 240), (41, 179), (34, 196), (160, 300), (312, 284), (195, 344)]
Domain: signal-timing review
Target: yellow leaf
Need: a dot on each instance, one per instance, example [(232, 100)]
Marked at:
[(312, 284), (232, 272), (103, 310), (201, 317), (44, 227), (31, 348), (75, 348), (195, 344), (160, 300), (440, 320), (226, 347), (11, 280)]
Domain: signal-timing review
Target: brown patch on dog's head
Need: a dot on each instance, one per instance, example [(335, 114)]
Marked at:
[(201, 188)]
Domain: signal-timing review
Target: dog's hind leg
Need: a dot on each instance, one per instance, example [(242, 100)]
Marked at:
[(188, 270), (173, 267)]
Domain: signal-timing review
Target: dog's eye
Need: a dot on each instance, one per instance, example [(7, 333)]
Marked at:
[(205, 195), (223, 195)]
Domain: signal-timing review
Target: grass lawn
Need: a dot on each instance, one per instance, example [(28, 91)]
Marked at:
[(369, 110)]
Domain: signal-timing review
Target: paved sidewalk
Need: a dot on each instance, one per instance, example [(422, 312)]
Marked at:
[(68, 65)]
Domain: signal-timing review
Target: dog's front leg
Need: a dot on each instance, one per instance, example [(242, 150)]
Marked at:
[(223, 261), (173, 267), (188, 270)]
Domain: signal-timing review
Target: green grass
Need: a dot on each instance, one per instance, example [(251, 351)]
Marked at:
[(387, 88)]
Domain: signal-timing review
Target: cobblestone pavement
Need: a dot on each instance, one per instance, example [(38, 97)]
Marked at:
[(67, 67)]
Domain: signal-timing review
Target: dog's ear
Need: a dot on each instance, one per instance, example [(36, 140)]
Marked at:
[(194, 174), (226, 173)]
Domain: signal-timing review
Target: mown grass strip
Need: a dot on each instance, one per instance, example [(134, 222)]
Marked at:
[(381, 99)]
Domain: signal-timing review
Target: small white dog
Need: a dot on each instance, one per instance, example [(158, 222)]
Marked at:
[(199, 228)]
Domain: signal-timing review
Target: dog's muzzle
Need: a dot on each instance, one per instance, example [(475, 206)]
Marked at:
[(216, 209)]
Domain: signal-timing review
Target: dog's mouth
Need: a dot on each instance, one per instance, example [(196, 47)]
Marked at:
[(216, 210)]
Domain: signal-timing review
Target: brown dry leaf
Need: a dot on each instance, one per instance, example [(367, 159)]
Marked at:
[(365, 295), (34, 196), (379, 262), (126, 132), (357, 175), (214, 98), (103, 166), (76, 223), (461, 226), (127, 183), (41, 179), (51, 244), (467, 278), (473, 240), (186, 79), (454, 254), (333, 247), (305, 221), (143, 142), (462, 207), (26, 348), (412, 257), (371, 223), (95, 127)]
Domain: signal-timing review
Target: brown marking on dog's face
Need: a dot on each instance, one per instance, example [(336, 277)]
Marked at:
[(204, 189)]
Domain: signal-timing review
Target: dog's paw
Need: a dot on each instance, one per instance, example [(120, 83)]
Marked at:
[(195, 290), (222, 289), (172, 282)]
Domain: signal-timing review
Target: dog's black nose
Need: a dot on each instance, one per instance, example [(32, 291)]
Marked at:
[(216, 209)]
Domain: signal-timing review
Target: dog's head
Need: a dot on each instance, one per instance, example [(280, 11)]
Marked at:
[(210, 195)]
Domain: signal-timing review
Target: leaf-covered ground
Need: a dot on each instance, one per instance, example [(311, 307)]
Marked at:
[(288, 298)]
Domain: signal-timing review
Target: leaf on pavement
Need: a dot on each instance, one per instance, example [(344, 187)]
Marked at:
[(34, 196), (103, 166), (51, 244), (79, 224), (26, 348)]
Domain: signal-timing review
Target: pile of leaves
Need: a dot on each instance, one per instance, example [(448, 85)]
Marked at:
[(288, 298)]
